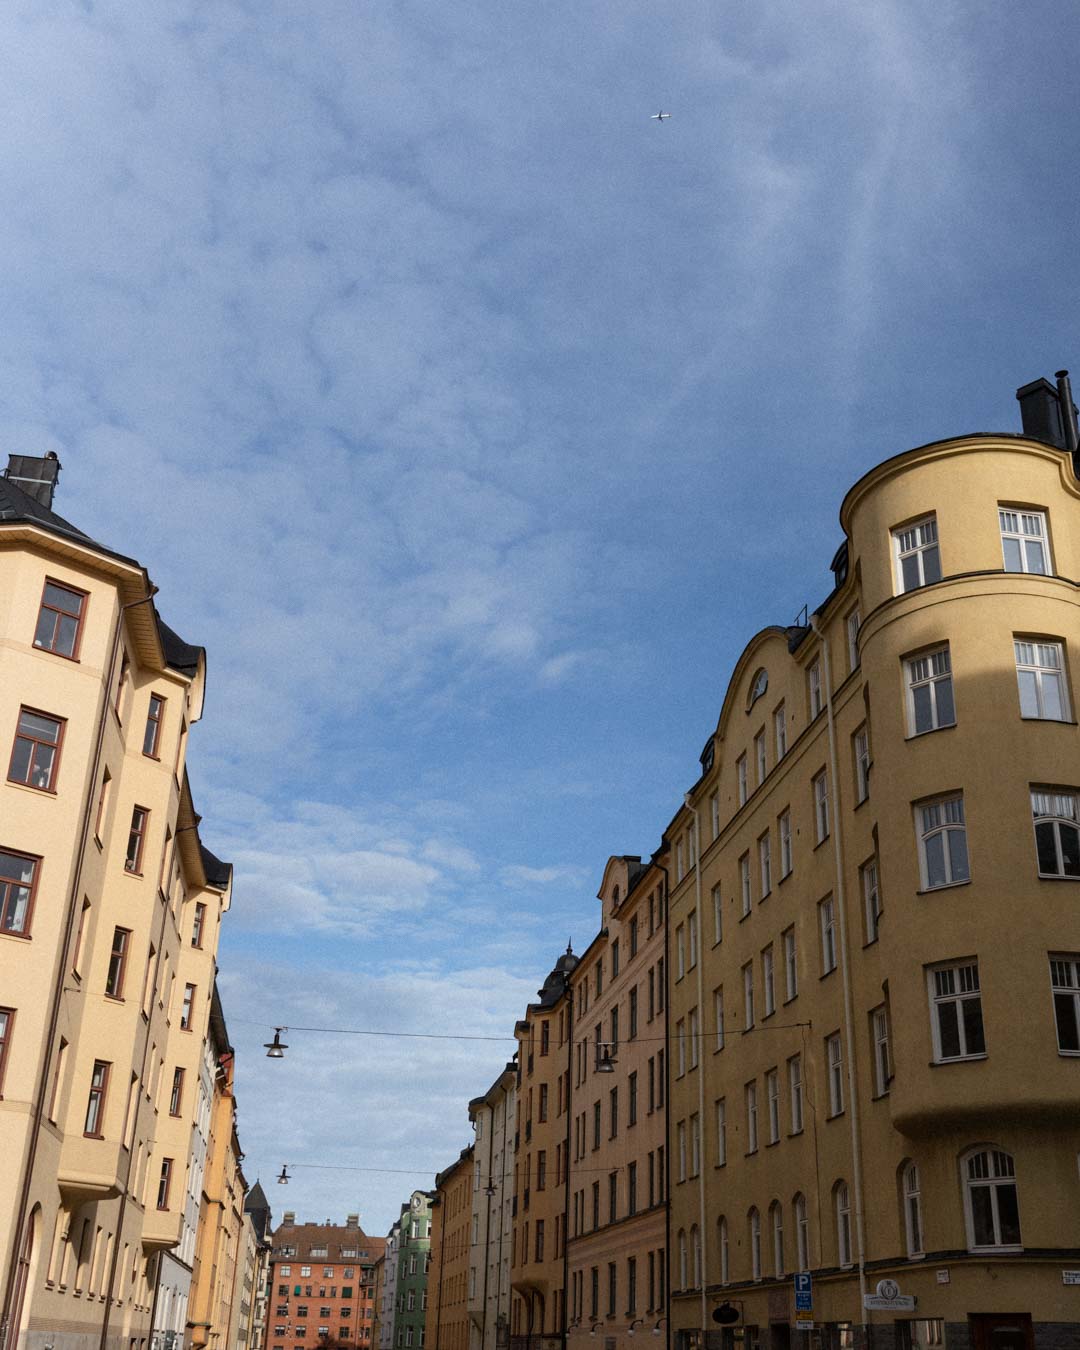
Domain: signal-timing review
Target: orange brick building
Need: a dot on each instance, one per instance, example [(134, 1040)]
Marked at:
[(322, 1285)]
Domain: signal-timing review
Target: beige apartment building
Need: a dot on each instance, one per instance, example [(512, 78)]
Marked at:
[(875, 930), (493, 1120), (617, 1218), (110, 909), (453, 1233)]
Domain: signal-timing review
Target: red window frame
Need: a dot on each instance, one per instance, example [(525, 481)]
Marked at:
[(198, 924), (7, 1025), (97, 1098), (36, 741), (187, 1008), (140, 815), (152, 732), (8, 884), (164, 1183), (114, 980), (176, 1097), (79, 615)]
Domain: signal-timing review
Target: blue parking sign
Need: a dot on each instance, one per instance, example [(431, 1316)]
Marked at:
[(804, 1292)]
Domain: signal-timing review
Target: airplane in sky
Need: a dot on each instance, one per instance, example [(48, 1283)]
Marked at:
[(660, 116)]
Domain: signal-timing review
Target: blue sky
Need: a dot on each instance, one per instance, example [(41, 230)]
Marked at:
[(474, 421)]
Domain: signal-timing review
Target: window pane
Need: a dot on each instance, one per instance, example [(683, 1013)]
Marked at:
[(1012, 555), (1053, 703), (1029, 698), (20, 760), (946, 712), (66, 630), (982, 1218), (1044, 843), (958, 858), (931, 565), (909, 570), (1070, 849), (935, 860), (924, 708), (948, 1030), (1008, 1215), (973, 1026), (1036, 557), (1067, 1028)]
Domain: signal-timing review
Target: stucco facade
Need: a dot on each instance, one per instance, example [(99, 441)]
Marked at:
[(452, 1237), (493, 1117)]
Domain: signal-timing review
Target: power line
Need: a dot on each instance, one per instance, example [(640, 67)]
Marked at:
[(465, 1036)]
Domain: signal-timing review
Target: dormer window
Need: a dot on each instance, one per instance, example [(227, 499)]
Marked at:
[(757, 687)]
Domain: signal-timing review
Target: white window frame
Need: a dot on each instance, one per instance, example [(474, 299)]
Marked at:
[(802, 1232), (787, 861), (871, 891), (795, 1093), (742, 785), (692, 1032), (852, 625), (718, 914), (765, 863), (692, 939), (680, 860), (695, 1144), (748, 995), (943, 818), (815, 699), (768, 980), (780, 732), (1026, 531), (879, 1030), (751, 1117), (718, 1008), (827, 925), (791, 964), (680, 952), (680, 1040), (821, 805), (918, 541), (930, 670), (725, 1255), (721, 1132), (843, 1223), (1065, 993), (744, 884), (913, 1224), (834, 1060), (680, 1139), (776, 1210), (761, 760), (714, 814), (1041, 680), (999, 1170), (861, 749), (772, 1097), (755, 1243), (1057, 815), (962, 986)]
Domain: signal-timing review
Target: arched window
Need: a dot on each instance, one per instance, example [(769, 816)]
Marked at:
[(695, 1252), (843, 1223), (758, 685), (802, 1232), (682, 1258), (776, 1214), (913, 1229), (993, 1212), (722, 1243), (755, 1244)]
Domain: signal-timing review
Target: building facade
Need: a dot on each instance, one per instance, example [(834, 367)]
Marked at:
[(874, 979), (110, 909), (452, 1273), (493, 1116), (322, 1283), (410, 1287)]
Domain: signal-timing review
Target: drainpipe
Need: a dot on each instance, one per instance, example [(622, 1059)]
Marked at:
[(58, 989), (566, 1150), (700, 963), (487, 1225), (845, 972), (666, 891)]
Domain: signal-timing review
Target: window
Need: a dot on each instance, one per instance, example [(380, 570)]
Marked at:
[(741, 779), (943, 855), (784, 825), (813, 681), (725, 1262), (768, 981), (827, 920), (765, 864), (695, 1144), (680, 1039), (198, 923), (755, 1244), (835, 1062), (541, 1169), (760, 758), (680, 861), (680, 1141), (17, 877), (542, 1105), (992, 1211), (860, 748), (751, 1118), (868, 874), (152, 732), (802, 1233), (177, 1093), (136, 838), (187, 1009), (721, 1133), (854, 622), (539, 1241), (1057, 833), (60, 620), (596, 1125), (776, 1212), (714, 814), (821, 806), (614, 973), (718, 1010), (791, 965), (682, 1259), (694, 1037), (780, 730), (918, 561), (879, 1032), (717, 914), (612, 1287), (680, 951), (772, 1096), (95, 1105), (35, 754), (744, 883), (7, 1023), (613, 1113), (930, 692), (692, 937), (163, 1183), (631, 1099), (633, 936), (1040, 673), (843, 1223), (114, 980), (748, 995), (1065, 986), (795, 1092), (1024, 541), (913, 1228), (956, 1012)]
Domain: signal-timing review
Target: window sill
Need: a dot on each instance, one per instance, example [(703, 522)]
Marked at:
[(835, 1115), (48, 651), (764, 896), (114, 998), (930, 731), (1055, 876), (31, 787), (794, 1134), (745, 914), (958, 1059), (871, 942), (826, 973), (946, 886), (131, 872), (784, 878), (23, 937), (772, 1143), (823, 840), (790, 999), (861, 802)]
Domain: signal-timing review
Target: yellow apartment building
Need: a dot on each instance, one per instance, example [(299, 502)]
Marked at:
[(110, 909), (874, 979), (453, 1232), (493, 1119), (617, 1188)]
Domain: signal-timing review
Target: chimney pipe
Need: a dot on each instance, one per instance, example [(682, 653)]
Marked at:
[(37, 475), (1068, 411)]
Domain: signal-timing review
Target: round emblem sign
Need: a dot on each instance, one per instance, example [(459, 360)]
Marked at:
[(888, 1289)]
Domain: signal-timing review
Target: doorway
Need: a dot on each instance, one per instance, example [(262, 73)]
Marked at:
[(1001, 1331)]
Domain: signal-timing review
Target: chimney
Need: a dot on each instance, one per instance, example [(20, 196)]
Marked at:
[(288, 1219), (36, 475), (352, 1220), (1040, 412), (1068, 412)]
